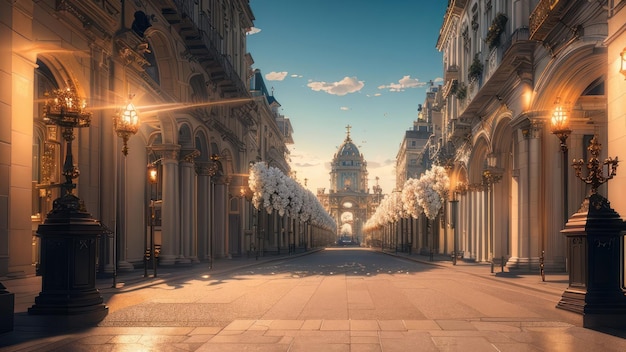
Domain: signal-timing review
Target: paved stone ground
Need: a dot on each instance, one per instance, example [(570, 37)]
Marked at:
[(454, 333)]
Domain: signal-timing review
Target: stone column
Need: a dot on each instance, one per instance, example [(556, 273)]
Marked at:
[(170, 216), (525, 253), (472, 221), (226, 205), (220, 219), (187, 251), (202, 210), (212, 215), (121, 227), (535, 234)]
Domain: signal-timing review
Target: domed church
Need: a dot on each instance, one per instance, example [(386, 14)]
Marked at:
[(349, 200)]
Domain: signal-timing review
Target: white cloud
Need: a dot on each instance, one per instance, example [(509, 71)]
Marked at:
[(343, 87), (253, 30), (344, 108), (295, 76), (276, 76), (402, 84)]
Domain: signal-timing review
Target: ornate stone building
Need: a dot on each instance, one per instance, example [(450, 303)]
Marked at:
[(412, 159), (349, 200), (186, 68), (508, 68)]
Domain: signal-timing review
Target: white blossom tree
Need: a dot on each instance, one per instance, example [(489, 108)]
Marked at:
[(432, 189), (272, 190), (424, 195)]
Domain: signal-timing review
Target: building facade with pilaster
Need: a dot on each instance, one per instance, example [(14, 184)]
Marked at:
[(508, 68), (185, 67)]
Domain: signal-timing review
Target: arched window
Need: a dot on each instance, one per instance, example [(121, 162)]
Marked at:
[(153, 69)]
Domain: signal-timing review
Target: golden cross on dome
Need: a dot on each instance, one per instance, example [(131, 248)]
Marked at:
[(348, 127)]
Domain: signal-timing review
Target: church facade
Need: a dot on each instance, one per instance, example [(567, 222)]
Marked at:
[(349, 200)]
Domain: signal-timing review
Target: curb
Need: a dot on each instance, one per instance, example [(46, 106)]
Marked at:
[(496, 276), (136, 283)]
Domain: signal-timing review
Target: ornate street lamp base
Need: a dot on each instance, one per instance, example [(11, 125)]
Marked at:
[(68, 265), (594, 241)]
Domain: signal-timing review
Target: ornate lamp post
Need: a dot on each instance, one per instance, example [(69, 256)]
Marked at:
[(212, 171), (454, 203), (595, 245), (67, 110), (560, 128), (153, 177), (596, 177), (68, 235), (126, 123)]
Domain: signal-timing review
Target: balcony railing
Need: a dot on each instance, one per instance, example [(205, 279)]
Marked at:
[(496, 54), (212, 40), (544, 17), (457, 129)]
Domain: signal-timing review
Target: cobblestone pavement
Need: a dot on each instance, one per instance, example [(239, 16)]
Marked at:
[(33, 333)]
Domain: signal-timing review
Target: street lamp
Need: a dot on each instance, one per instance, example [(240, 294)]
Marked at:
[(153, 177), (213, 170), (595, 167), (454, 203), (560, 128), (69, 233), (67, 110), (126, 123)]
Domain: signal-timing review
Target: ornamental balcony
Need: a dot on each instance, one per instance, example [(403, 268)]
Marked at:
[(204, 43), (458, 129), (504, 63), (546, 15)]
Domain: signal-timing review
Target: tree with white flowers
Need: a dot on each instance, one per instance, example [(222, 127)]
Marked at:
[(432, 188), (410, 197), (424, 195), (273, 190)]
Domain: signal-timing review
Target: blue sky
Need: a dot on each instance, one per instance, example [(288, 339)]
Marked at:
[(333, 63)]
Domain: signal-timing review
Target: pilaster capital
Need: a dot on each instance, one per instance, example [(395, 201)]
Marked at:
[(167, 152), (532, 130)]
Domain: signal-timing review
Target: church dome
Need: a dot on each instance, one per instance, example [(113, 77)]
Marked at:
[(348, 149)]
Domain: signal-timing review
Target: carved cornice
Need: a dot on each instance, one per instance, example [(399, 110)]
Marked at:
[(165, 151), (99, 18)]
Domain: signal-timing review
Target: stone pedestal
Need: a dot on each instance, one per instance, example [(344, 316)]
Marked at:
[(594, 241), (7, 309), (68, 265)]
